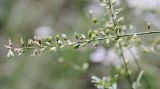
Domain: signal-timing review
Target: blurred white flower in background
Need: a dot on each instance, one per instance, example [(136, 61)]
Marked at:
[(144, 4), (96, 9), (112, 58), (99, 55), (109, 56), (43, 32), (130, 52), (140, 5)]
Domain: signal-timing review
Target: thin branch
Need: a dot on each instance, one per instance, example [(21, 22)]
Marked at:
[(126, 67), (99, 39)]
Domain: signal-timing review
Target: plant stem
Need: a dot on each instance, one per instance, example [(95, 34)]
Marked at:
[(98, 39), (126, 67), (125, 35)]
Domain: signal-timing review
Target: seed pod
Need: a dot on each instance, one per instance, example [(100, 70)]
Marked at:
[(57, 38), (107, 41), (83, 37), (93, 36), (90, 33), (40, 42), (64, 36), (76, 46), (10, 43), (22, 42), (94, 20), (59, 42), (29, 42), (76, 35), (107, 31), (96, 32), (148, 26), (53, 49), (102, 33), (49, 39)]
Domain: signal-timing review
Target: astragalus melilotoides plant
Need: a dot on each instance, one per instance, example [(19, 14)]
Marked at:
[(111, 32)]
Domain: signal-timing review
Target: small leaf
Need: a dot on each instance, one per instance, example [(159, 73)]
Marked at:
[(59, 42), (10, 43), (140, 76), (10, 53), (102, 33), (107, 31), (107, 41), (148, 26), (53, 49), (22, 42), (117, 11), (49, 39), (57, 37), (76, 35), (47, 43), (95, 79), (120, 19), (64, 36), (83, 37), (93, 36), (94, 20), (29, 42), (137, 83), (20, 52), (76, 46), (90, 33)]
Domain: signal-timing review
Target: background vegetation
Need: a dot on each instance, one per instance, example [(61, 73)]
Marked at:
[(70, 68)]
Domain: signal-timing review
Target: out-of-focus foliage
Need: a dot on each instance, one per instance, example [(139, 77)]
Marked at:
[(67, 69)]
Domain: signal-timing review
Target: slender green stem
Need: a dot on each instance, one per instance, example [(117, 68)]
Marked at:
[(126, 67), (125, 35), (102, 38), (141, 33)]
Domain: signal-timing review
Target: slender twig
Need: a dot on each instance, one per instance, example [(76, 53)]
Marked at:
[(126, 67), (101, 38), (125, 35)]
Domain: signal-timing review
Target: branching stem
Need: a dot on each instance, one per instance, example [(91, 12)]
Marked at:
[(99, 39)]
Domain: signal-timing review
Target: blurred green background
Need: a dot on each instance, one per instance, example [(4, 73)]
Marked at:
[(65, 69)]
